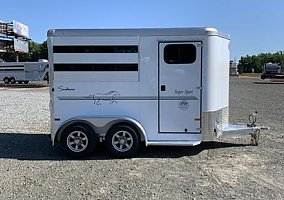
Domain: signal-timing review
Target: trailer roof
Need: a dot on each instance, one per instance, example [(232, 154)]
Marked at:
[(135, 32)]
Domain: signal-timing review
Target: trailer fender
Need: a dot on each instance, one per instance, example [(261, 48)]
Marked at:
[(137, 125), (69, 123), (101, 125)]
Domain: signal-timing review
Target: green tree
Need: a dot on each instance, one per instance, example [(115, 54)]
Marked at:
[(256, 62)]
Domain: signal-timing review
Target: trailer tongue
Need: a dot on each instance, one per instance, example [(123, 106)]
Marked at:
[(239, 130)]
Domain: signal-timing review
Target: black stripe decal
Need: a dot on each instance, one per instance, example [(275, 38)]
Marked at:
[(127, 98), (95, 49), (12, 70), (95, 67), (16, 66)]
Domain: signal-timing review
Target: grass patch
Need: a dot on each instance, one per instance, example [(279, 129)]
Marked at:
[(251, 74)]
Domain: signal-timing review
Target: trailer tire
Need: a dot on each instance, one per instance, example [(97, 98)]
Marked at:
[(26, 82), (262, 77), (122, 141), (78, 140), (6, 80), (12, 80)]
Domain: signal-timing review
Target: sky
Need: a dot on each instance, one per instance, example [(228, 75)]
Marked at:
[(255, 26)]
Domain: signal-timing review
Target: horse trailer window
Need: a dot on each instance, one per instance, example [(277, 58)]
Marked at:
[(95, 49), (180, 54)]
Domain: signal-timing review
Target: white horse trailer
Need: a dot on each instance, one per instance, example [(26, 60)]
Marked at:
[(23, 72), (120, 87)]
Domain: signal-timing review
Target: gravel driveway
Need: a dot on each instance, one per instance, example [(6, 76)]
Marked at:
[(230, 169)]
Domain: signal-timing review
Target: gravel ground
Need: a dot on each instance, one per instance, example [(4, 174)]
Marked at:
[(230, 169)]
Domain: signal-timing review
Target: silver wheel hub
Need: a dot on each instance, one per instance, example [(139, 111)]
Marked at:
[(77, 141), (122, 141)]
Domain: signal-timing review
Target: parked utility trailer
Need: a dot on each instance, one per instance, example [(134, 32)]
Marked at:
[(120, 87), (23, 72), (234, 68), (271, 71)]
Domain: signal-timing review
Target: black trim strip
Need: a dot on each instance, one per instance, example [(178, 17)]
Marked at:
[(95, 49), (95, 67)]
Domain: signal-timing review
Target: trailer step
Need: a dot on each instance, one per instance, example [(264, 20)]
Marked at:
[(174, 143)]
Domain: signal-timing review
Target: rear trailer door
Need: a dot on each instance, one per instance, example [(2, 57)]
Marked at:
[(179, 87)]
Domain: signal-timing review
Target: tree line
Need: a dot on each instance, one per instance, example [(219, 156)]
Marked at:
[(255, 63)]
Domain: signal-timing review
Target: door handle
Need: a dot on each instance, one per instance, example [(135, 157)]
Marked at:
[(163, 88)]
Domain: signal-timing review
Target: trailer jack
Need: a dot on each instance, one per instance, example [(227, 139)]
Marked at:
[(255, 134), (255, 137)]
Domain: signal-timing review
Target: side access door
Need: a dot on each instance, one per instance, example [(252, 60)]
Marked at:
[(180, 66)]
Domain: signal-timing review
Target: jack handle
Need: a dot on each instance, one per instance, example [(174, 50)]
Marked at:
[(252, 119)]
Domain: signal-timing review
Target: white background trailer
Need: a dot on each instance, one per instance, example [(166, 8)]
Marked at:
[(23, 72), (160, 86)]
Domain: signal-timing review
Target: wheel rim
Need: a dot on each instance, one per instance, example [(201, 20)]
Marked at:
[(122, 141), (77, 141)]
